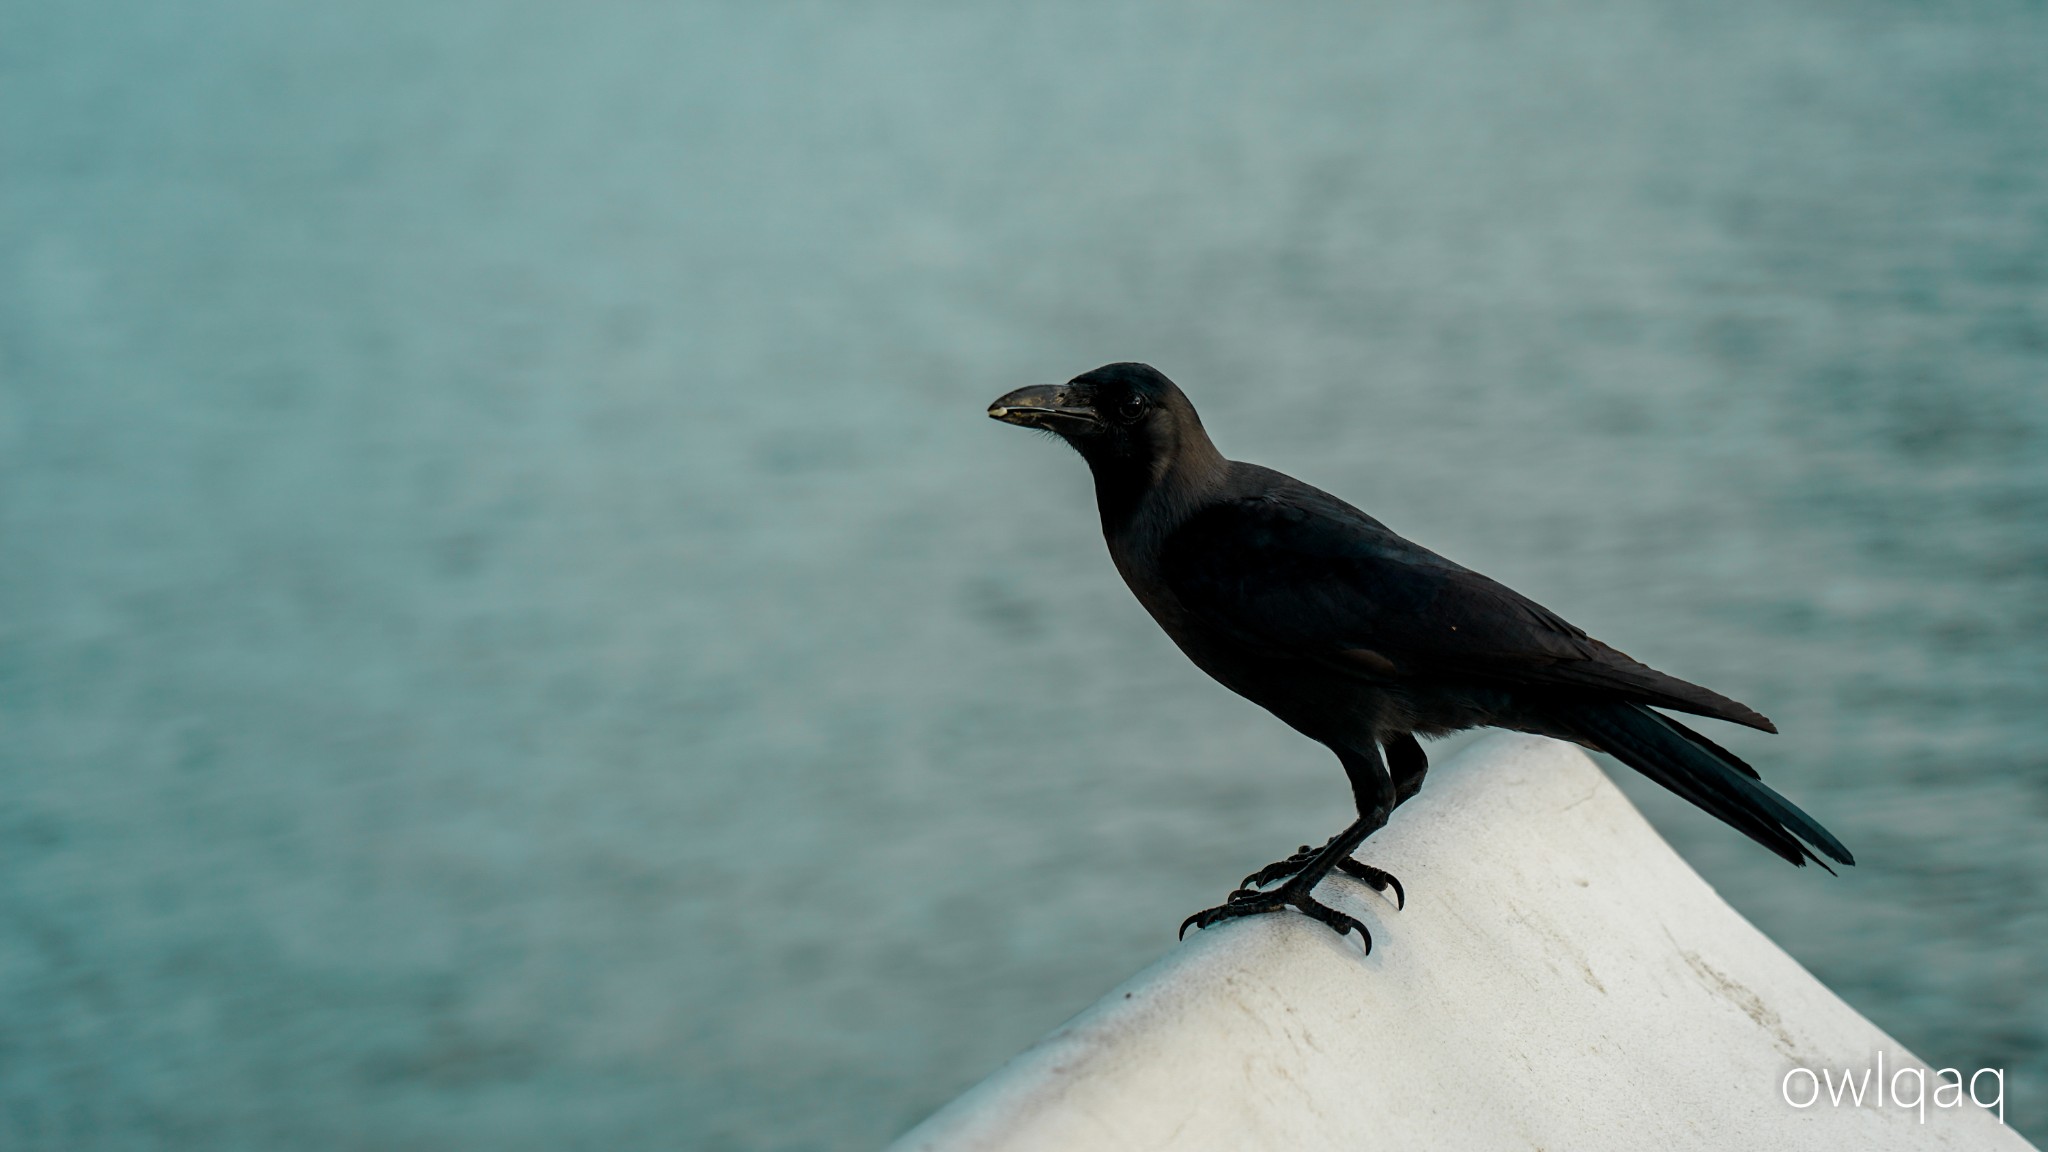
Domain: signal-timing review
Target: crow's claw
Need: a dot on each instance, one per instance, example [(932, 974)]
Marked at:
[(1379, 880), (1278, 870), (1339, 922), (1282, 869), (1244, 902)]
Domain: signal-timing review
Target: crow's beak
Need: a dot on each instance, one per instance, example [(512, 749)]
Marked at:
[(1060, 408)]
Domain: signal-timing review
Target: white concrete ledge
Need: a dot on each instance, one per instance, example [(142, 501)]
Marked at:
[(1560, 979)]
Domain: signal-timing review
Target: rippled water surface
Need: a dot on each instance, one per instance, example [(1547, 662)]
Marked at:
[(516, 633)]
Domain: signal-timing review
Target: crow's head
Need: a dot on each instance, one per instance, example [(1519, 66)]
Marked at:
[(1127, 413)]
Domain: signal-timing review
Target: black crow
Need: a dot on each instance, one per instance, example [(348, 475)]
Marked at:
[(1361, 640)]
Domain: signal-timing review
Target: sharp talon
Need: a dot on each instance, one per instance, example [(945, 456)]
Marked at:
[(1377, 879), (1302, 871), (1344, 925), (1265, 876), (1296, 895), (1364, 937), (1280, 870)]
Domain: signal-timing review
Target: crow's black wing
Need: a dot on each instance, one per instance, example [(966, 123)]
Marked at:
[(1297, 572)]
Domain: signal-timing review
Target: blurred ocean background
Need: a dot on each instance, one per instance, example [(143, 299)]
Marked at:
[(516, 633)]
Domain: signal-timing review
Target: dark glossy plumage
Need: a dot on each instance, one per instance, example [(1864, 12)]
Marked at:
[(1292, 570)]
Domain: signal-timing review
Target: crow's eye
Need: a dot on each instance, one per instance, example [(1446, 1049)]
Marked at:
[(1131, 409)]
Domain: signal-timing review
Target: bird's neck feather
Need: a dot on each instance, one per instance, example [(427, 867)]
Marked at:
[(1153, 496)]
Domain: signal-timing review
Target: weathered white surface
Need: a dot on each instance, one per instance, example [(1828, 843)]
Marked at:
[(1560, 979)]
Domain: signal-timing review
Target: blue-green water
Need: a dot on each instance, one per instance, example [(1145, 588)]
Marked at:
[(516, 633)]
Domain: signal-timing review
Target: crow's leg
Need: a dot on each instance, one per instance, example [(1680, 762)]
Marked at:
[(1406, 765), (1373, 789)]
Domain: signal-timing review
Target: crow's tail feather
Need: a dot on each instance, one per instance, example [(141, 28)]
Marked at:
[(1708, 775)]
